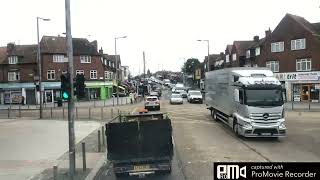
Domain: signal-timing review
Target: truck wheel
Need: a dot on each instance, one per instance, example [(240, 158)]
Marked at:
[(214, 115)]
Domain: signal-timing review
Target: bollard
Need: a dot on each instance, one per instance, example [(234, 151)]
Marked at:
[(62, 112), (99, 141), (20, 111), (51, 112), (102, 114), (103, 136), (28, 106), (112, 100), (77, 117), (309, 104), (126, 100), (89, 113), (8, 112), (84, 160), (55, 172), (112, 113)]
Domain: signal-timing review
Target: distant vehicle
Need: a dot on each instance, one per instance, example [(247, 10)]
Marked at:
[(140, 144), (152, 103), (166, 82), (249, 100), (194, 96), (154, 93), (176, 99), (121, 94), (182, 92), (159, 91)]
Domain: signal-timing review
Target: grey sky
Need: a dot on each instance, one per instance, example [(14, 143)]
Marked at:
[(166, 30)]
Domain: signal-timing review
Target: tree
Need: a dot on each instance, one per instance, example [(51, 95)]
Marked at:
[(191, 65)]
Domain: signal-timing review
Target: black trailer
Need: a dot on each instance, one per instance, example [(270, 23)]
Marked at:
[(140, 144)]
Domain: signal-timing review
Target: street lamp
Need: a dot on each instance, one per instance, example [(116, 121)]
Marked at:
[(208, 54), (40, 65), (115, 52)]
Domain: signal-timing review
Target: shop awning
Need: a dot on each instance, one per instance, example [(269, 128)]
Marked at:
[(97, 84)]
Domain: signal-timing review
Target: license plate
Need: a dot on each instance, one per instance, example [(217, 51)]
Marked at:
[(141, 168), (265, 134)]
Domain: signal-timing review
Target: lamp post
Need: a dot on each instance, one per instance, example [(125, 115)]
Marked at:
[(116, 58), (208, 54), (40, 66)]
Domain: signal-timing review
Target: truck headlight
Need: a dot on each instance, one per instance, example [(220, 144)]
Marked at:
[(247, 124), (282, 125)]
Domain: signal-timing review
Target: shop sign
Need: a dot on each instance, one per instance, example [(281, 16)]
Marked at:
[(306, 76)]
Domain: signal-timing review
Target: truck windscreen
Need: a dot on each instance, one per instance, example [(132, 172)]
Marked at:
[(264, 97)]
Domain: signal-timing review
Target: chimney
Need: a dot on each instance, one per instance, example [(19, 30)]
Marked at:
[(101, 51), (10, 47), (256, 38), (268, 32)]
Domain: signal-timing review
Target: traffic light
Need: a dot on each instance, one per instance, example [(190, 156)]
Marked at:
[(65, 86), (80, 86)]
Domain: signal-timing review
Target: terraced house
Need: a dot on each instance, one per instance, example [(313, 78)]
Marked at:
[(19, 70)]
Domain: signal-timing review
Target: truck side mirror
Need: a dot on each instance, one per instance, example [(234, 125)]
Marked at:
[(236, 95)]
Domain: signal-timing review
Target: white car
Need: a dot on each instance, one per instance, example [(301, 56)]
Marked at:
[(176, 99), (194, 96), (152, 102), (182, 92)]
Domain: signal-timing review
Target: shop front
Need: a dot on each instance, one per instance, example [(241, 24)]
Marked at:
[(98, 90), (301, 86), (17, 93)]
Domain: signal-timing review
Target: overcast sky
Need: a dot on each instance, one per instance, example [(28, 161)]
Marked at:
[(166, 30)]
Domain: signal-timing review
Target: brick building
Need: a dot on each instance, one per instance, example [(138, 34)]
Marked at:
[(292, 52)]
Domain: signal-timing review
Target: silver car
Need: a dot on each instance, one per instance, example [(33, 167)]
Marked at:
[(176, 99), (152, 102)]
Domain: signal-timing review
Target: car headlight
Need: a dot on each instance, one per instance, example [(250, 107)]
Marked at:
[(282, 125)]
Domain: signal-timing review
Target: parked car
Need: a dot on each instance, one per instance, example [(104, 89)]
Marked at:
[(152, 102), (176, 99), (194, 96)]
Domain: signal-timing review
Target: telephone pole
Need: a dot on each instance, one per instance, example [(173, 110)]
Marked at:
[(72, 157), (144, 67)]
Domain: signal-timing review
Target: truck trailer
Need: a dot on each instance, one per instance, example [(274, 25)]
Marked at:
[(140, 144), (249, 100)]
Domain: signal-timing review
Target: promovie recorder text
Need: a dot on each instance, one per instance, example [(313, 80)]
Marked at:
[(264, 170)]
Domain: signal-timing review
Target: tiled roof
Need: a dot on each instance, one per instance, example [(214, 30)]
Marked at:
[(242, 46), (56, 44), (316, 27), (112, 57), (26, 53), (313, 28), (229, 47), (257, 44)]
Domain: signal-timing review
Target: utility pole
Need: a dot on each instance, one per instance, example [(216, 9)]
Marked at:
[(144, 67), (72, 159)]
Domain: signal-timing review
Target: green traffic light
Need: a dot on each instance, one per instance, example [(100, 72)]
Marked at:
[(65, 95)]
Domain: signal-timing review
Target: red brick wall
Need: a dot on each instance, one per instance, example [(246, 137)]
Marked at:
[(27, 72), (95, 64), (287, 30)]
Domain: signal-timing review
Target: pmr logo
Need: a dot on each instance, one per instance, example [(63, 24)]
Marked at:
[(231, 172)]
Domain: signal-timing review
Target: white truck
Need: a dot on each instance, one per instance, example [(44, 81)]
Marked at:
[(249, 100)]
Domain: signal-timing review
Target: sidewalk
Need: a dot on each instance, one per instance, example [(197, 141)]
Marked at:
[(93, 103), (302, 106)]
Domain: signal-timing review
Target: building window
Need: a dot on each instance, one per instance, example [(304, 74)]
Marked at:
[(248, 54), (59, 58), (93, 74), (85, 59), (51, 75), (273, 66), (298, 44), (303, 64), (106, 75), (227, 58), (79, 72), (277, 46), (13, 59), (111, 75), (13, 76), (234, 56), (257, 51), (109, 63)]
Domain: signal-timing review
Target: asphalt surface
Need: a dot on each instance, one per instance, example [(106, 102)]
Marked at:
[(200, 141)]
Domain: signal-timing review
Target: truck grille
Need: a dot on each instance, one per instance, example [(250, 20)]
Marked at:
[(265, 116), (259, 131)]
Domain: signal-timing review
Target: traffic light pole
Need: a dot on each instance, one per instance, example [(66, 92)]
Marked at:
[(72, 160)]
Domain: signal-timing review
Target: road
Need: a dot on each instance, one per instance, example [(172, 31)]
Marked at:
[(200, 141)]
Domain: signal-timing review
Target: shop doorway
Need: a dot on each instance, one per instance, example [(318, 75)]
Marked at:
[(49, 96), (305, 92)]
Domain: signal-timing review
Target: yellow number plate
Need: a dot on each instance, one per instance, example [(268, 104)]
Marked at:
[(141, 168)]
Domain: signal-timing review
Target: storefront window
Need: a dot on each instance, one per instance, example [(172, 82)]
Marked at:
[(296, 92)]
